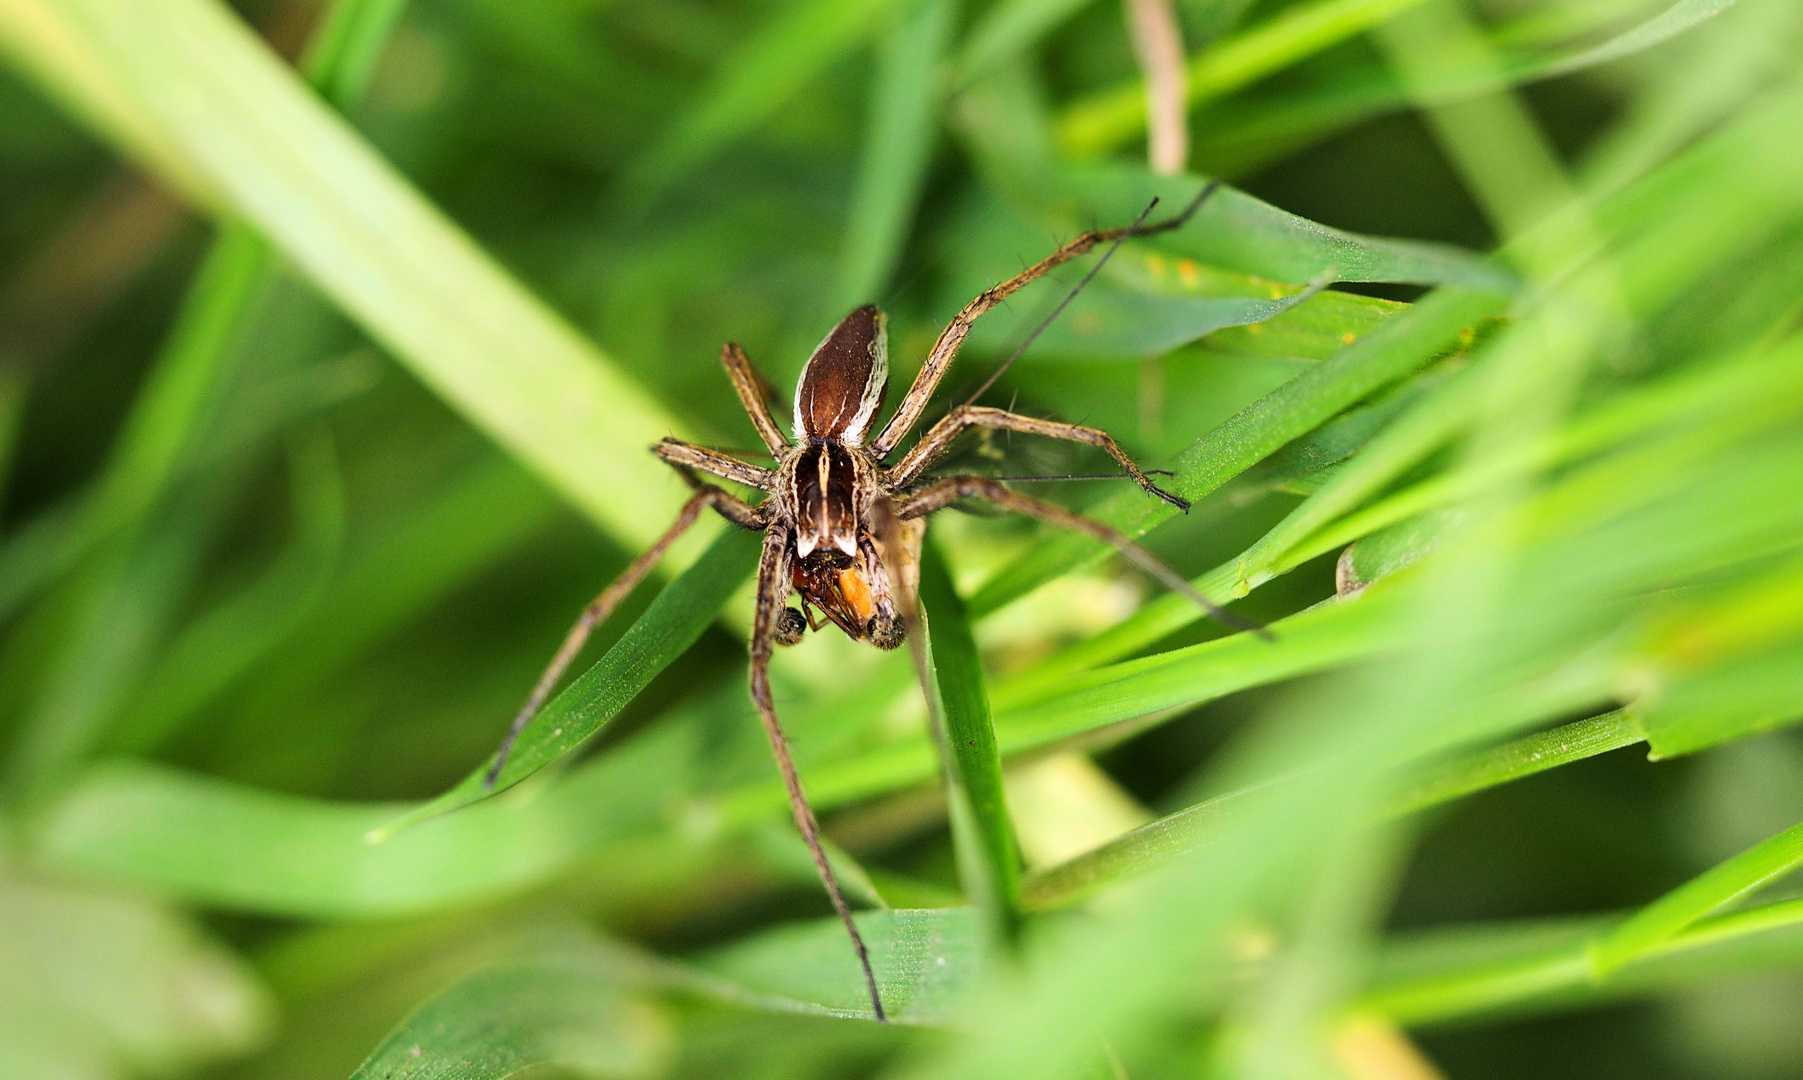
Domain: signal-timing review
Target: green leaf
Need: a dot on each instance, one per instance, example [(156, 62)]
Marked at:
[(573, 1008), (982, 832), (927, 964), (1469, 971), (1664, 918), (1160, 842), (1105, 120), (244, 849), (1403, 344), (202, 85), (1109, 322), (664, 632), (1236, 231), (803, 39), (898, 148)]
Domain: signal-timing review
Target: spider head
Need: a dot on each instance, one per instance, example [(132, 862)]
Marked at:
[(853, 592)]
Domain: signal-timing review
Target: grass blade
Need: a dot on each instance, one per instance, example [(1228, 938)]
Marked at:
[(1395, 348), (988, 854), (1666, 917), (393, 262), (897, 150), (1106, 120), (1109, 119), (665, 631), (1160, 842), (927, 963), (571, 1007), (794, 47)]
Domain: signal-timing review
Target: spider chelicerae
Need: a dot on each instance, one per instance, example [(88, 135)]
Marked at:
[(842, 528)]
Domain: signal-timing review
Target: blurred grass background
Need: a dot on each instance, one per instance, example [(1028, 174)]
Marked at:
[(332, 336)]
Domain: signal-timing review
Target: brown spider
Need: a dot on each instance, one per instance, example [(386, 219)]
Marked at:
[(840, 527)]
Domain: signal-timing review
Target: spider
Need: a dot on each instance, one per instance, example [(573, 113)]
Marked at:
[(841, 528)]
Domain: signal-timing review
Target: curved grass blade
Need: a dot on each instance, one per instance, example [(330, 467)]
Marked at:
[(239, 848), (927, 963), (1236, 231), (671, 624), (1160, 842), (1666, 917), (1540, 966), (982, 833), (1109, 119), (1395, 348), (573, 1008), (1112, 322), (277, 157)]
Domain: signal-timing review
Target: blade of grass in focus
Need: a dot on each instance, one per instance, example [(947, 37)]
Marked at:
[(982, 832)]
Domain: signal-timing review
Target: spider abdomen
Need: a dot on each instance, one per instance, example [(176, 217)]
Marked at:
[(842, 387)]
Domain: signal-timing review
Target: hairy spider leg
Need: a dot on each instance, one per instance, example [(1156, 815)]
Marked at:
[(729, 506), (772, 596), (942, 493), (951, 339)]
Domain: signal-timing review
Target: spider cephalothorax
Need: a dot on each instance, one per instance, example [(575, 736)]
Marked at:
[(841, 527)]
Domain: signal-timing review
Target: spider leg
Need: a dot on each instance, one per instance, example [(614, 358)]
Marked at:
[(943, 493), (772, 596), (685, 455), (907, 413), (938, 440), (730, 507), (751, 387)]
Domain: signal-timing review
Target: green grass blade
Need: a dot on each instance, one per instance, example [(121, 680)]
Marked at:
[(1160, 842), (1394, 349), (1005, 31), (1108, 119), (1672, 913), (927, 964), (159, 436), (343, 50), (988, 854), (1515, 969), (1104, 121), (240, 848), (897, 150), (669, 626), (1519, 758), (803, 39), (211, 653), (572, 1007), (414, 281), (1236, 231)]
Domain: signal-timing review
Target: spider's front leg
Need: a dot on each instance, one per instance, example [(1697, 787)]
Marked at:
[(772, 596), (938, 440), (685, 455), (943, 493), (730, 507)]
